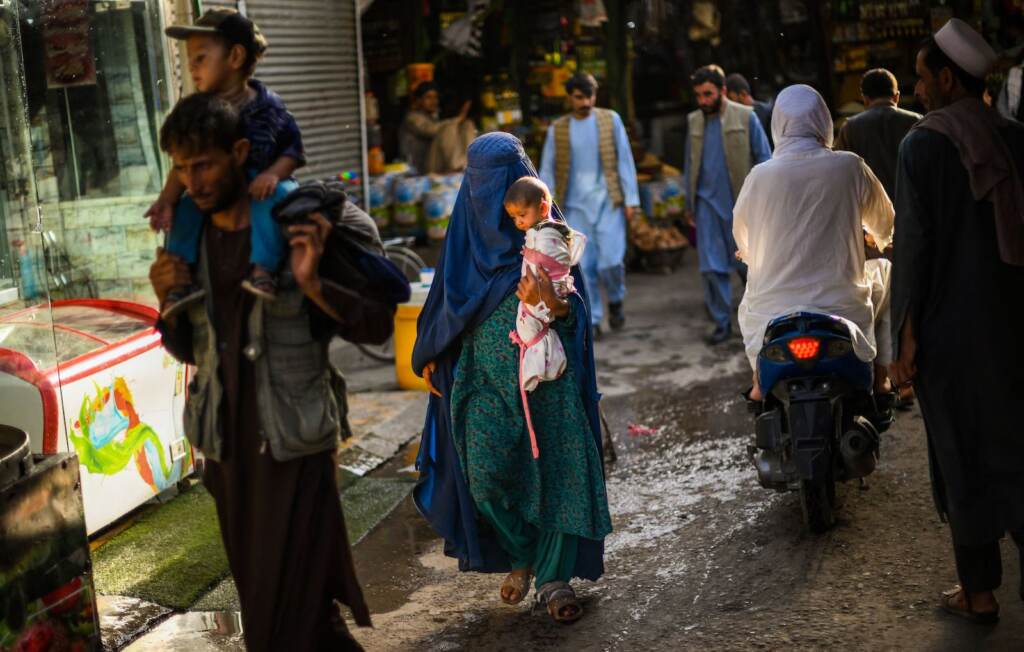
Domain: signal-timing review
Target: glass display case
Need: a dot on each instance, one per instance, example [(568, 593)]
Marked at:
[(83, 91)]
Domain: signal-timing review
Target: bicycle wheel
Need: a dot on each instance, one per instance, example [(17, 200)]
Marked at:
[(406, 260)]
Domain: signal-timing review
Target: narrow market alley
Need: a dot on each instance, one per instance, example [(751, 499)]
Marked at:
[(702, 557)]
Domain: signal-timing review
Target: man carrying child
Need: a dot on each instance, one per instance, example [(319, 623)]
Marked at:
[(260, 405), (223, 48)]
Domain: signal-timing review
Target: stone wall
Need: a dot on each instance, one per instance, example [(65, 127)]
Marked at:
[(109, 240)]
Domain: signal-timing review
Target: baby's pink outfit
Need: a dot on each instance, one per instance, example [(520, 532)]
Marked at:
[(555, 248)]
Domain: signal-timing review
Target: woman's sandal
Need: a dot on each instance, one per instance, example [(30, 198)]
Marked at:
[(561, 602), (952, 605), (516, 586)]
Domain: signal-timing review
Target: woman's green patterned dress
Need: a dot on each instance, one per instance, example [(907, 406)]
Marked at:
[(528, 502)]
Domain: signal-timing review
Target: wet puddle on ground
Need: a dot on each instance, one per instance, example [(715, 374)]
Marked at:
[(197, 631), (122, 619), (388, 558), (710, 419)]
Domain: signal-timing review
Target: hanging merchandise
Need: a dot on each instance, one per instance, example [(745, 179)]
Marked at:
[(463, 35), (707, 22), (557, 72), (69, 57), (592, 13)]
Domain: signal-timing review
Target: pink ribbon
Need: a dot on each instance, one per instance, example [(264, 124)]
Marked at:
[(514, 336)]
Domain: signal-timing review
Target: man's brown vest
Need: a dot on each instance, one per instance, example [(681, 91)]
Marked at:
[(735, 141), (606, 149)]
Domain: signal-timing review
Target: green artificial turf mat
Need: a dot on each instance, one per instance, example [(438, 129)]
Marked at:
[(369, 501), (170, 556), (173, 555), (223, 597), (346, 479)]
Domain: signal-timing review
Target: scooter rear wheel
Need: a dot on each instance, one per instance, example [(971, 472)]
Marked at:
[(817, 501)]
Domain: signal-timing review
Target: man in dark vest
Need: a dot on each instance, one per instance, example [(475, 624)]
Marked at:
[(723, 141), (261, 405), (588, 165), (875, 134), (957, 314)]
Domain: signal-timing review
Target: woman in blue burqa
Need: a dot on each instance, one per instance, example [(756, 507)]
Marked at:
[(498, 508)]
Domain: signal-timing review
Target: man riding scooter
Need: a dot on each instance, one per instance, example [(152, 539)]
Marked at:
[(800, 224)]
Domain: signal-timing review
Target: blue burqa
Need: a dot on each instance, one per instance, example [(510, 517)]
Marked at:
[(479, 267)]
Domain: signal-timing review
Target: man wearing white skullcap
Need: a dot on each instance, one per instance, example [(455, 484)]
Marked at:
[(966, 48), (957, 314)]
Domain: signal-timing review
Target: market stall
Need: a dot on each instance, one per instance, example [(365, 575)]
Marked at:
[(95, 381), (510, 60)]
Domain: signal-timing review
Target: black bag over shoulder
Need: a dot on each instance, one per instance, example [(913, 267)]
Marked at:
[(353, 255)]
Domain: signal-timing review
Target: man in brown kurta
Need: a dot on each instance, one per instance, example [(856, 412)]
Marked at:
[(281, 521), (958, 279)]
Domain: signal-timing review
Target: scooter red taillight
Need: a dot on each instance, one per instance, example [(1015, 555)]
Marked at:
[(804, 348)]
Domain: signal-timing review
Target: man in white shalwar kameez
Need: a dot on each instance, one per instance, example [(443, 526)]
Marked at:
[(588, 165), (799, 224)]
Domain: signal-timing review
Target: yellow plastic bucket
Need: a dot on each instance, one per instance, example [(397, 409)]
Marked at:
[(405, 340)]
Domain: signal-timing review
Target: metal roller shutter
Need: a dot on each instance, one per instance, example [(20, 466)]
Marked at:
[(313, 64), (219, 4)]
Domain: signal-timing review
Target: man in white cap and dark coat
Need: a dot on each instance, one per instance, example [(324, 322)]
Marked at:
[(957, 308)]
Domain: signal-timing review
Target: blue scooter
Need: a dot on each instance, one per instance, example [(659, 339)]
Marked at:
[(819, 421)]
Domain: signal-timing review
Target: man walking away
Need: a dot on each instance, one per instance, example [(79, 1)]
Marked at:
[(737, 89), (724, 140), (875, 134), (958, 277), (588, 164), (260, 406)]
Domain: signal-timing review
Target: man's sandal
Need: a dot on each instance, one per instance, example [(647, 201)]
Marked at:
[(952, 605), (560, 601), (516, 586)]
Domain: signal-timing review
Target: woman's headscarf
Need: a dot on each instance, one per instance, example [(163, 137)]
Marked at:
[(480, 263), (479, 268), (801, 121)]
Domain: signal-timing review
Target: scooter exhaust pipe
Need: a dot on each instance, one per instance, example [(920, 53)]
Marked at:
[(857, 448)]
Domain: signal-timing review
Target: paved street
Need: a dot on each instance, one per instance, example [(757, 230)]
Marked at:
[(701, 556)]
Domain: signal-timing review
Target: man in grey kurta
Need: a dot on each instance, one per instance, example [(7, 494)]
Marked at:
[(958, 317), (875, 134)]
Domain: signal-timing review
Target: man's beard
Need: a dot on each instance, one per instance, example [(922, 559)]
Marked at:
[(227, 199), (583, 111), (711, 110)]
